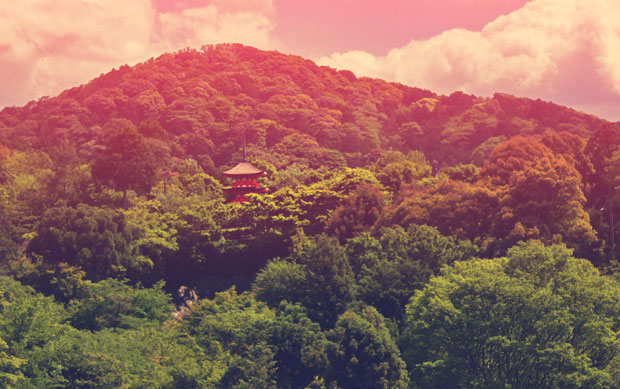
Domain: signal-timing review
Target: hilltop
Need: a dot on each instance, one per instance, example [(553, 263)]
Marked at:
[(197, 103)]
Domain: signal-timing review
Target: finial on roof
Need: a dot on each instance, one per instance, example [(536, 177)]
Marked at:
[(245, 159)]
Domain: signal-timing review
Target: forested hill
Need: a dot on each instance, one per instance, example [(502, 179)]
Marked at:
[(363, 266), (195, 104), (491, 170)]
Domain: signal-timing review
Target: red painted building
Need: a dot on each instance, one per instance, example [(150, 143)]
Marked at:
[(244, 176)]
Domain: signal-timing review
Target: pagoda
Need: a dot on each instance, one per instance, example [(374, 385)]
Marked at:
[(244, 176)]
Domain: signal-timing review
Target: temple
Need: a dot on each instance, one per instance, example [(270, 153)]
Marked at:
[(244, 176)]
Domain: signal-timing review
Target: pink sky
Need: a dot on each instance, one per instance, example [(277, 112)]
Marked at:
[(566, 51)]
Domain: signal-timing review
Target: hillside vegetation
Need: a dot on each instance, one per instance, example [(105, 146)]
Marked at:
[(360, 268)]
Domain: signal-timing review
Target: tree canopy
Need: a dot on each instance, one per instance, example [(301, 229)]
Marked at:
[(407, 238)]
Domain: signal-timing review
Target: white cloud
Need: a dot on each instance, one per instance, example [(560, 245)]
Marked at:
[(49, 45), (562, 50), (196, 26)]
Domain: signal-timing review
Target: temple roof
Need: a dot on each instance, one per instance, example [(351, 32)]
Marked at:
[(243, 169)]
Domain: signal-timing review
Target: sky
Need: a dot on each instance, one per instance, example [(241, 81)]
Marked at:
[(565, 51)]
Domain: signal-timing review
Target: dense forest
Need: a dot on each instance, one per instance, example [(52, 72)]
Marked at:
[(408, 239)]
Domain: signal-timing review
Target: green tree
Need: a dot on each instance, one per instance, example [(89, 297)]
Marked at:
[(394, 169), (453, 207), (280, 280), (462, 172), (241, 326), (358, 212), (541, 195), (7, 246), (28, 189), (329, 283), (114, 304), (10, 373), (398, 262), (154, 237), (317, 275), (601, 145), (301, 347), (41, 346), (4, 174), (96, 239), (611, 179), (538, 318), (230, 321), (254, 370), (125, 162), (364, 354), (144, 357)]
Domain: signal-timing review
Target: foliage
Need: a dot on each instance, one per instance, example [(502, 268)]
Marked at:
[(365, 354), (359, 212), (393, 169), (96, 239), (328, 284), (541, 194), (318, 276), (538, 318), (453, 207), (302, 348), (39, 350), (378, 193), (114, 304), (401, 261), (125, 160)]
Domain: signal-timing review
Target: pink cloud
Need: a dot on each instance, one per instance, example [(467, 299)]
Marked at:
[(209, 24), (321, 27), (561, 50), (47, 46)]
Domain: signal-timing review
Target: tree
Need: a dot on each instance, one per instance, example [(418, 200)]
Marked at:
[(319, 277), (329, 283), (392, 266), (541, 195), (254, 370), (601, 145), (114, 304), (96, 239), (230, 321), (40, 344), (364, 354), (301, 347), (143, 357), (154, 237), (10, 374), (453, 207), (462, 172), (611, 179), (125, 162), (7, 245), (4, 174), (241, 326), (538, 318), (28, 189), (359, 212), (280, 280), (394, 169)]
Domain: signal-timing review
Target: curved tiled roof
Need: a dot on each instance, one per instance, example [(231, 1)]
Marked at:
[(243, 169)]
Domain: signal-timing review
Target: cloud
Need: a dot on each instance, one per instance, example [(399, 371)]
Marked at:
[(49, 45), (196, 26), (560, 50)]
